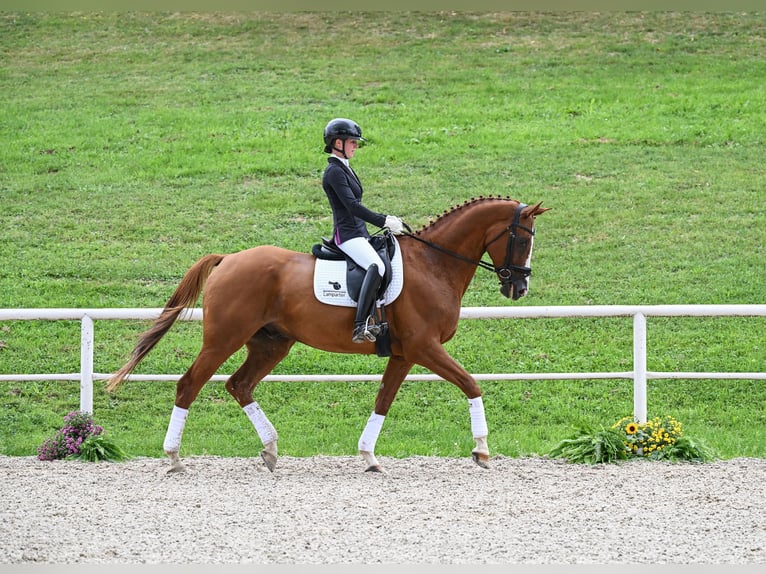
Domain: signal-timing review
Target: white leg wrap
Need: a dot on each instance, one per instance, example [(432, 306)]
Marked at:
[(263, 426), (478, 420), (175, 429), (371, 431)]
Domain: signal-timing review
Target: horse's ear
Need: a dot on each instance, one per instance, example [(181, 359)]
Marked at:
[(535, 210)]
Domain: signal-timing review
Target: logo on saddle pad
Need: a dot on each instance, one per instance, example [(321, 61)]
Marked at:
[(331, 281)]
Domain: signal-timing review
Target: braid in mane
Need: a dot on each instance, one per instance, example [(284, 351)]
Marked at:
[(455, 208)]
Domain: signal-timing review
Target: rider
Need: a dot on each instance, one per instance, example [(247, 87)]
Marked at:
[(344, 191)]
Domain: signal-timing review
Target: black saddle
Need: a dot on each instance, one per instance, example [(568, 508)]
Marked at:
[(383, 244)]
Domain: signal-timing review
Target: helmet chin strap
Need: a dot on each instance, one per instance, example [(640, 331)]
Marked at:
[(342, 149)]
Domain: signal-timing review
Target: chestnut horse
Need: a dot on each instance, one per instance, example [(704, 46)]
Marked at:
[(262, 298)]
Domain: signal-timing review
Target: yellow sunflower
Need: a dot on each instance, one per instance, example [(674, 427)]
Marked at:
[(631, 428)]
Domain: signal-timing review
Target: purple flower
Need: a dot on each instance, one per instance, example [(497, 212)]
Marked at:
[(78, 425)]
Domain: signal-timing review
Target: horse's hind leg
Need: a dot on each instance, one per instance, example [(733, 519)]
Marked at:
[(187, 389), (264, 350)]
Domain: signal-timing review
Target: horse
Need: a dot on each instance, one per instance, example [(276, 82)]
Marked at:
[(262, 298)]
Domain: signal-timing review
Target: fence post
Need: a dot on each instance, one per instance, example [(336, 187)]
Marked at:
[(86, 364), (639, 367)]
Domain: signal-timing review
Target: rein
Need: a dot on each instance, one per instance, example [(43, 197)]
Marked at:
[(505, 271)]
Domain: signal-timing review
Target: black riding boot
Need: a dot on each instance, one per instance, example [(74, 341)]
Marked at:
[(367, 294)]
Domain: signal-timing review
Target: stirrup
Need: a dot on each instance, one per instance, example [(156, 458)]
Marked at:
[(364, 332), (373, 327)]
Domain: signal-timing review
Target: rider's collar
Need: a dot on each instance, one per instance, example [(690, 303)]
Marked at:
[(343, 160)]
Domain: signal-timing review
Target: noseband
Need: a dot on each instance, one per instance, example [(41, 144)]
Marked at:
[(507, 270)]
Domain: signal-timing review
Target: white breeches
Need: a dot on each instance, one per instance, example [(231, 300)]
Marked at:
[(360, 250)]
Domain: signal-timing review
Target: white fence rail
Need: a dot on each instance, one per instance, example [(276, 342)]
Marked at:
[(639, 374)]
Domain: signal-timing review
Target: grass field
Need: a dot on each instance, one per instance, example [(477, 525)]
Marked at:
[(134, 143)]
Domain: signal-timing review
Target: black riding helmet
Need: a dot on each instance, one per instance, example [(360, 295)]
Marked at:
[(341, 128)]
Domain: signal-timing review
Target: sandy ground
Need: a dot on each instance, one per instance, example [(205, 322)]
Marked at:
[(326, 510)]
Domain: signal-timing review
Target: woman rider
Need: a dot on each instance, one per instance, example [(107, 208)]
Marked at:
[(344, 191)]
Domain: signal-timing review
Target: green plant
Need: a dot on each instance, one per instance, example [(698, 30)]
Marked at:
[(99, 447), (604, 445), (660, 438), (686, 448)]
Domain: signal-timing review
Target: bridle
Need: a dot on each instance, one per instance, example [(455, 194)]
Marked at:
[(506, 271)]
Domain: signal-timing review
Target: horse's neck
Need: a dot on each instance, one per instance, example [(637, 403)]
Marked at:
[(460, 233)]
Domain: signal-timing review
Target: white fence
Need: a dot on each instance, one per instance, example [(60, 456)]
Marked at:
[(639, 374)]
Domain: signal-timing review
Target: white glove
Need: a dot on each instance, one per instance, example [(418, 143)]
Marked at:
[(394, 224)]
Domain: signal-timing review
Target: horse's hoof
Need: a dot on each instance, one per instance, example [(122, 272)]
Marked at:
[(374, 468), (176, 466), (269, 460), (481, 459)]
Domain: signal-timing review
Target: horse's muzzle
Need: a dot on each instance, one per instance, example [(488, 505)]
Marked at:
[(514, 289)]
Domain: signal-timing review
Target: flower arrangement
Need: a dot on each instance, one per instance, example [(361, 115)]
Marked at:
[(80, 438), (650, 438), (660, 438)]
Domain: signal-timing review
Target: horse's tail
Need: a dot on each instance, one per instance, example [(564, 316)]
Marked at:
[(185, 295)]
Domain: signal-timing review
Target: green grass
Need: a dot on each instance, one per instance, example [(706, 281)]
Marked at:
[(133, 144)]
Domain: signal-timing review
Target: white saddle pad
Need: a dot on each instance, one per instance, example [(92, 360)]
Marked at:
[(330, 281)]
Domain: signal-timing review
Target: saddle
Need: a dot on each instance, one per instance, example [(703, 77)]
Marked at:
[(384, 246)]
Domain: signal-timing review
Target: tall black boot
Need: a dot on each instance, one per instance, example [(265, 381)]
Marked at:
[(367, 296)]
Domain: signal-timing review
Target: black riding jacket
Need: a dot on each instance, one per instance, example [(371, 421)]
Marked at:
[(344, 190)]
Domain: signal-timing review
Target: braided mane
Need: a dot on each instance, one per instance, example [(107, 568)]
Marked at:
[(456, 208)]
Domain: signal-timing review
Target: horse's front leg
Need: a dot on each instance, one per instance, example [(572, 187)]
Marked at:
[(480, 453), (442, 364), (393, 376), (368, 439)]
